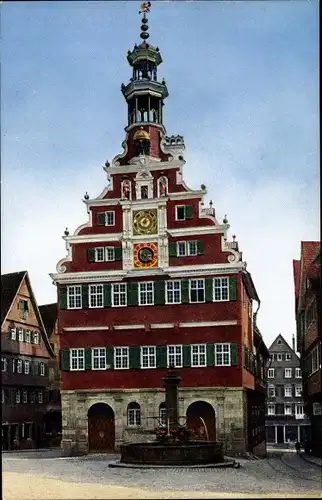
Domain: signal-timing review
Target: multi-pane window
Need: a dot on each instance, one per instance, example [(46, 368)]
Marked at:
[(121, 357), (173, 292), (42, 369), (288, 373), (288, 391), (109, 254), (19, 365), (27, 366), (27, 336), (119, 294), (77, 359), (298, 391), (98, 358), (288, 356), (288, 410), (174, 356), (99, 254), (18, 396), (298, 373), (35, 337), (40, 397), (271, 373), (271, 391), (133, 415), (198, 355), (146, 294), (181, 248), (74, 297), (3, 364), (192, 247), (96, 296), (25, 396), (221, 289), (162, 415), (104, 254), (222, 354), (13, 333), (270, 409), (299, 410), (197, 290), (148, 357), (20, 335), (110, 218)]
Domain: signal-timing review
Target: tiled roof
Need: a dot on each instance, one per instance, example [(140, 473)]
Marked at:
[(49, 315), (296, 274), (10, 284)]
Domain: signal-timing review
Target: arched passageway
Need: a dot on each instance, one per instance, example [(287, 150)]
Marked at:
[(101, 428), (201, 419)]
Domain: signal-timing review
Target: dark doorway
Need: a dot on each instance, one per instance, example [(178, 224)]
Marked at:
[(280, 434), (201, 420), (101, 428)]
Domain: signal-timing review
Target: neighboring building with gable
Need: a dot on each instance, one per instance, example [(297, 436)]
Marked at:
[(25, 354), (307, 282), (285, 418), (151, 282)]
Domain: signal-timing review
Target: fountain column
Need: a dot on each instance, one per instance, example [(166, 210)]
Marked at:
[(171, 382)]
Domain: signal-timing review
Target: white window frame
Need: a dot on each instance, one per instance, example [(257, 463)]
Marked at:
[(42, 369), (298, 391), (183, 246), (176, 355), (28, 336), (134, 417), (20, 335), (40, 397), (279, 356), (198, 353), (13, 333), (99, 254), (288, 371), (221, 285), (162, 416), (96, 296), (198, 281), (121, 353), (180, 206), (35, 337), (110, 213), (4, 364), (25, 396), (189, 245), (271, 388), (117, 291), (298, 413), (147, 293), (271, 371), (18, 396), (288, 356), (2, 396), (287, 391), (78, 356), (298, 373), (222, 349), (271, 409), (285, 409), (175, 291), (74, 292), (26, 367), (109, 254), (19, 365), (99, 358), (148, 358)]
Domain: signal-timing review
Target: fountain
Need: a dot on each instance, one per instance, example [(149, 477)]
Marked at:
[(174, 444)]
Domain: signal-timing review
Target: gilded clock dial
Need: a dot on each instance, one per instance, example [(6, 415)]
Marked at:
[(145, 222)]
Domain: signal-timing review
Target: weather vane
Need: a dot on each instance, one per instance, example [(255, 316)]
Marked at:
[(145, 7)]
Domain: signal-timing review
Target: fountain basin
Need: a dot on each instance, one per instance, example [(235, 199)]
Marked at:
[(191, 453)]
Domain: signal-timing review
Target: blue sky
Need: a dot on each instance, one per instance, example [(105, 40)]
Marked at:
[(243, 83)]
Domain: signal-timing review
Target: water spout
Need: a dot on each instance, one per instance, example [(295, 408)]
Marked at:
[(206, 430)]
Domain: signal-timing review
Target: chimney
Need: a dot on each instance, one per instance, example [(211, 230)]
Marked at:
[(293, 342)]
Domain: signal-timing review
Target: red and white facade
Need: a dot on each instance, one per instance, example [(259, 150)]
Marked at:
[(151, 281)]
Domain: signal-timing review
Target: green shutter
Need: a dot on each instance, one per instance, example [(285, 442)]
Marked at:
[(188, 211), (232, 289), (159, 293), (209, 289), (84, 296), (185, 291), (118, 253), (233, 355), (107, 295), (134, 357), (210, 354), (91, 254), (63, 297), (101, 219), (200, 247), (186, 355), (161, 356), (88, 358), (109, 358), (64, 360), (172, 249), (132, 294)]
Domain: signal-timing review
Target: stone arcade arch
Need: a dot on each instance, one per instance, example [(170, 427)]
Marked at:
[(201, 419), (101, 428)]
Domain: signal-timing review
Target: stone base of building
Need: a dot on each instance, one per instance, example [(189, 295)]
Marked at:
[(82, 434)]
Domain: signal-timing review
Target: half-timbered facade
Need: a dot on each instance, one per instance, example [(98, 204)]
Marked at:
[(152, 281)]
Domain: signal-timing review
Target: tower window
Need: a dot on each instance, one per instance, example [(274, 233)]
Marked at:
[(144, 192)]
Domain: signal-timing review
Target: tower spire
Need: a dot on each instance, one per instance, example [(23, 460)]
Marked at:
[(145, 7)]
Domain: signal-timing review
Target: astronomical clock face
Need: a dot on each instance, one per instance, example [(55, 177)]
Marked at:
[(145, 222), (145, 255)]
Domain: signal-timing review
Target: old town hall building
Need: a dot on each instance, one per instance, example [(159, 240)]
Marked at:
[(151, 281)]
